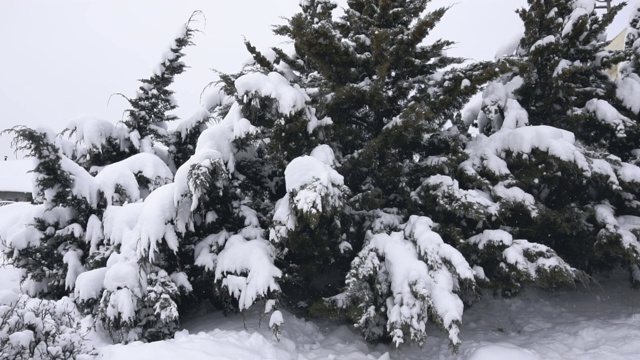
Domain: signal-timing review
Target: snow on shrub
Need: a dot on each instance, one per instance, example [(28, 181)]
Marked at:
[(204, 173), (487, 152), (41, 329), (519, 262), (119, 222), (608, 115), (499, 109), (90, 131), (289, 98), (471, 204), (402, 279), (620, 233), (97, 141), (124, 285), (88, 289), (246, 269), (220, 137), (17, 229), (133, 178), (314, 190), (628, 91), (159, 316), (156, 226), (84, 186)]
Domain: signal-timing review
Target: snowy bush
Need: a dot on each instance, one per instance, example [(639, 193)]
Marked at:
[(246, 270), (512, 263), (54, 253), (41, 329), (315, 192), (307, 229), (121, 301), (402, 279), (133, 305), (159, 316)]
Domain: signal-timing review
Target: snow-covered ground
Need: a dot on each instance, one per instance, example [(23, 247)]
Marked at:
[(597, 323), (602, 322)]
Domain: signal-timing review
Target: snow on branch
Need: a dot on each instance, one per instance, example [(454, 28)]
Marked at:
[(90, 131), (620, 232), (156, 223), (581, 11), (17, 226), (609, 116), (314, 189), (123, 181), (402, 279), (628, 91), (489, 153), (473, 204), (246, 269), (119, 222), (200, 176), (289, 98), (519, 262), (220, 136)]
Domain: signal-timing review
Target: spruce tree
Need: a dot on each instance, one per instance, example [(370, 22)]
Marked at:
[(562, 181), (152, 300), (149, 114), (563, 71), (388, 98), (100, 143), (628, 87), (68, 199), (79, 229), (338, 180)]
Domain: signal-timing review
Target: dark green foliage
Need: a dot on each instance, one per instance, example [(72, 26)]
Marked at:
[(388, 99), (183, 140), (494, 251), (64, 213), (554, 84), (559, 69), (50, 174), (149, 113), (401, 180)]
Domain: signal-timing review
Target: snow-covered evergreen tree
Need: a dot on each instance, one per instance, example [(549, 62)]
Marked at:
[(558, 71), (149, 114), (79, 237), (68, 197), (388, 98), (339, 180), (628, 86), (99, 143), (565, 182)]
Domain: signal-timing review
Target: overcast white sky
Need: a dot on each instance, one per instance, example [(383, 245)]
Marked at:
[(64, 58)]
